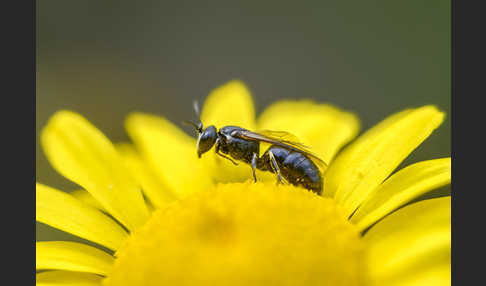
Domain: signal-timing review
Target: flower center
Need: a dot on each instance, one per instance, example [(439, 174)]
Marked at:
[(244, 234)]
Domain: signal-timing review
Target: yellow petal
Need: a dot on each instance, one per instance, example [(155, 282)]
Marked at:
[(169, 152), (322, 127), (158, 194), (365, 164), (415, 238), (435, 276), (87, 198), (81, 153), (332, 182), (62, 211), (65, 278), (72, 256), (401, 188), (229, 104)]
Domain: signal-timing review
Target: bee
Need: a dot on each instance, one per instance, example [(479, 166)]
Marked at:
[(290, 160)]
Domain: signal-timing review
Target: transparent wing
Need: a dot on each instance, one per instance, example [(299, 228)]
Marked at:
[(283, 136), (280, 138)]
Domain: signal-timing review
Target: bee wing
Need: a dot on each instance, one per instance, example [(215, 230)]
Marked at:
[(283, 136), (279, 138)]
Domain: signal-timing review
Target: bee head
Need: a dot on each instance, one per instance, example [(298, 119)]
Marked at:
[(206, 139)]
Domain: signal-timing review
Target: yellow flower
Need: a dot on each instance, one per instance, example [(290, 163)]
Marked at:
[(165, 217)]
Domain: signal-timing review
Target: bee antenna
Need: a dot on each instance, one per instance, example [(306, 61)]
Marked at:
[(197, 126), (195, 105)]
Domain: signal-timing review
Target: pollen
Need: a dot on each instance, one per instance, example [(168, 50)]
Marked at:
[(244, 234)]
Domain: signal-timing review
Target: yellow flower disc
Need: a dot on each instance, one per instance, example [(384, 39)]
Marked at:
[(244, 234)]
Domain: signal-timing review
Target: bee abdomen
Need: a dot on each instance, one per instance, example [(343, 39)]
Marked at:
[(295, 167)]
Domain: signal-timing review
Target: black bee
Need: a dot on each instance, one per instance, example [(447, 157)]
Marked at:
[(288, 159)]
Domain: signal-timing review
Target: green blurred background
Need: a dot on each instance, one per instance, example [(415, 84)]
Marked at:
[(105, 59)]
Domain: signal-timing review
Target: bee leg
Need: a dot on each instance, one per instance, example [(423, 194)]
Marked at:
[(254, 164), (217, 152), (275, 167), (228, 158)]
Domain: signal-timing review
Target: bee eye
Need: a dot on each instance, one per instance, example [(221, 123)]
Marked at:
[(206, 140)]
